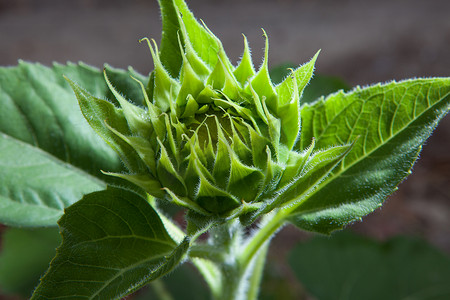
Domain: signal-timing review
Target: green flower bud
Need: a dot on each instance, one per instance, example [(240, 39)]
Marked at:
[(216, 139)]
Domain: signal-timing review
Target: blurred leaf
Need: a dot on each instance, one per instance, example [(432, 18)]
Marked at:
[(113, 243), (40, 109), (193, 286), (36, 187), (321, 85), (42, 128), (347, 266), (276, 285), (280, 72), (25, 255), (183, 283)]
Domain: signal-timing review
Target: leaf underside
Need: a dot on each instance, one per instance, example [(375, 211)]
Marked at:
[(391, 121)]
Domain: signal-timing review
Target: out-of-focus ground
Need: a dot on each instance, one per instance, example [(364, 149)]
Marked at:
[(361, 41)]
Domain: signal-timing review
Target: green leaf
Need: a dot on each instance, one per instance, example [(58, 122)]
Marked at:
[(40, 109), (36, 187), (49, 154), (20, 268), (355, 267), (113, 243), (261, 82), (392, 122), (280, 72), (316, 169)]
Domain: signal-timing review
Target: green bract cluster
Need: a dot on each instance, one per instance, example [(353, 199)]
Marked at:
[(222, 141), (214, 138)]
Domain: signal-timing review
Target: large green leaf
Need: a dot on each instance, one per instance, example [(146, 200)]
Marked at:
[(36, 187), (50, 156), (351, 267), (315, 169), (20, 268), (392, 122), (113, 243)]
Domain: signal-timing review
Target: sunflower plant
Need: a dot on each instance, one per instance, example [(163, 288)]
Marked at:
[(237, 155)]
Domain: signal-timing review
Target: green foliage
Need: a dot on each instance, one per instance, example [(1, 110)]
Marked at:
[(50, 157), (204, 135), (20, 268), (392, 122), (191, 287), (113, 242), (350, 267), (223, 142)]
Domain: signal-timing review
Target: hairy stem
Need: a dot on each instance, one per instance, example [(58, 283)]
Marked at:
[(257, 272), (229, 236), (270, 224), (209, 252), (240, 263)]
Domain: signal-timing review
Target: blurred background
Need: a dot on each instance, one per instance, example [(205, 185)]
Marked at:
[(362, 42)]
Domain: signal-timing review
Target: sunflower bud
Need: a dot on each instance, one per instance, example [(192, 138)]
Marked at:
[(216, 139)]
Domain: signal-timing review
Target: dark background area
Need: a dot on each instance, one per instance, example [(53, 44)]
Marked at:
[(362, 42)]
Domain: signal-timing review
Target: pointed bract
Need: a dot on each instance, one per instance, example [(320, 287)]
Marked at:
[(213, 138)]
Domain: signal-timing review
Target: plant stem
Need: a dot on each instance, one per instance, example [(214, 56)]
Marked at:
[(243, 271), (256, 276), (209, 252), (228, 238), (240, 264), (211, 274), (269, 225)]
